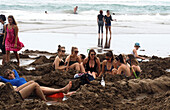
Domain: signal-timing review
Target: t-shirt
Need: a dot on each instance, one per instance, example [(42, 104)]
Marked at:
[(108, 19), (100, 17), (1, 29), (15, 82)]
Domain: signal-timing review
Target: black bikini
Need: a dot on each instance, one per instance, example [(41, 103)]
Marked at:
[(91, 69), (108, 69)]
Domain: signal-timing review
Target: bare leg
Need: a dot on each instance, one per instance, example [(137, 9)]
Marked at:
[(82, 68), (49, 91), (102, 41), (106, 36), (24, 85), (7, 56), (17, 57), (26, 91), (3, 59), (110, 36), (75, 66), (94, 74)]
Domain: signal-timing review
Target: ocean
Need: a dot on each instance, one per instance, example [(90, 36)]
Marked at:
[(125, 10), (143, 21)]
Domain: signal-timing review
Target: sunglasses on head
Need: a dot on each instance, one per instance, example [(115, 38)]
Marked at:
[(63, 50), (76, 51)]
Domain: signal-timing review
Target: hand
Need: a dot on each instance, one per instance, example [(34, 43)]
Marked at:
[(3, 43), (15, 46), (105, 22), (143, 58)]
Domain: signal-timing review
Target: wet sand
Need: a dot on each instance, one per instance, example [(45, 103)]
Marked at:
[(151, 91)]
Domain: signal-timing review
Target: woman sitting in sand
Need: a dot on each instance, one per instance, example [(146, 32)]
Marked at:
[(92, 63), (134, 65), (59, 61), (13, 77), (73, 61), (123, 68), (108, 64)]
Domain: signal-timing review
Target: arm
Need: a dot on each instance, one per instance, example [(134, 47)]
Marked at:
[(67, 62), (79, 59), (136, 55), (16, 35), (16, 74), (103, 64), (120, 69), (4, 79), (98, 64), (5, 26), (85, 61)]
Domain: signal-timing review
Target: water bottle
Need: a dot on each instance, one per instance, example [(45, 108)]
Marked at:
[(103, 82)]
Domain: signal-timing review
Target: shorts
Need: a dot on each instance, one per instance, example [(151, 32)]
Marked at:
[(108, 24), (19, 94), (2, 47)]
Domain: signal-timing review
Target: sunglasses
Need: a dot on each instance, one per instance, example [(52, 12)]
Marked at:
[(63, 51), (93, 54), (10, 72), (76, 51)]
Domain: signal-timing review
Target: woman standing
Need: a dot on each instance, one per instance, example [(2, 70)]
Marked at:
[(108, 19), (12, 42), (2, 31), (100, 20)]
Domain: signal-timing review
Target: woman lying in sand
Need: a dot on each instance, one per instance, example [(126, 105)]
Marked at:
[(26, 89), (15, 80), (123, 67), (108, 64), (73, 61), (92, 63), (59, 61)]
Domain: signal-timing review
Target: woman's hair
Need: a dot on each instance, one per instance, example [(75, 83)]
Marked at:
[(72, 49), (59, 48), (101, 12), (6, 73), (107, 11), (91, 50), (132, 60), (120, 58), (3, 17), (14, 22), (83, 56), (110, 54)]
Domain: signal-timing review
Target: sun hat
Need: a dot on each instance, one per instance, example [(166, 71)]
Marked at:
[(137, 45)]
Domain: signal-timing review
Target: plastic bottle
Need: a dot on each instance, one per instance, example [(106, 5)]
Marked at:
[(103, 82)]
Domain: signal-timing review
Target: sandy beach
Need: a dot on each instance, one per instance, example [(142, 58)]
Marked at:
[(151, 91), (143, 21)]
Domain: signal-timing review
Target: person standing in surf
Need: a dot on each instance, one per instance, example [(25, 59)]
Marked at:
[(108, 19), (11, 39), (75, 10), (100, 21)]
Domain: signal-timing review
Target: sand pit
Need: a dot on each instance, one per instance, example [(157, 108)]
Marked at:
[(151, 91)]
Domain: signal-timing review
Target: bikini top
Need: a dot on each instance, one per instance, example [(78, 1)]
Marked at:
[(91, 69), (106, 69), (61, 63)]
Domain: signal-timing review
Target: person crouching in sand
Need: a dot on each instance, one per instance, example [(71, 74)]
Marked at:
[(73, 61), (59, 62), (108, 64), (134, 52), (123, 68), (92, 63)]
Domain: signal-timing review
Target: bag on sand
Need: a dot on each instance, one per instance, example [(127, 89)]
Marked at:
[(85, 78)]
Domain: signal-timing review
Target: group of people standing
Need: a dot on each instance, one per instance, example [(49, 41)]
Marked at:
[(9, 40), (101, 20)]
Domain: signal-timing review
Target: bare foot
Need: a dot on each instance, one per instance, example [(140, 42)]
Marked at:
[(70, 93), (67, 88)]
